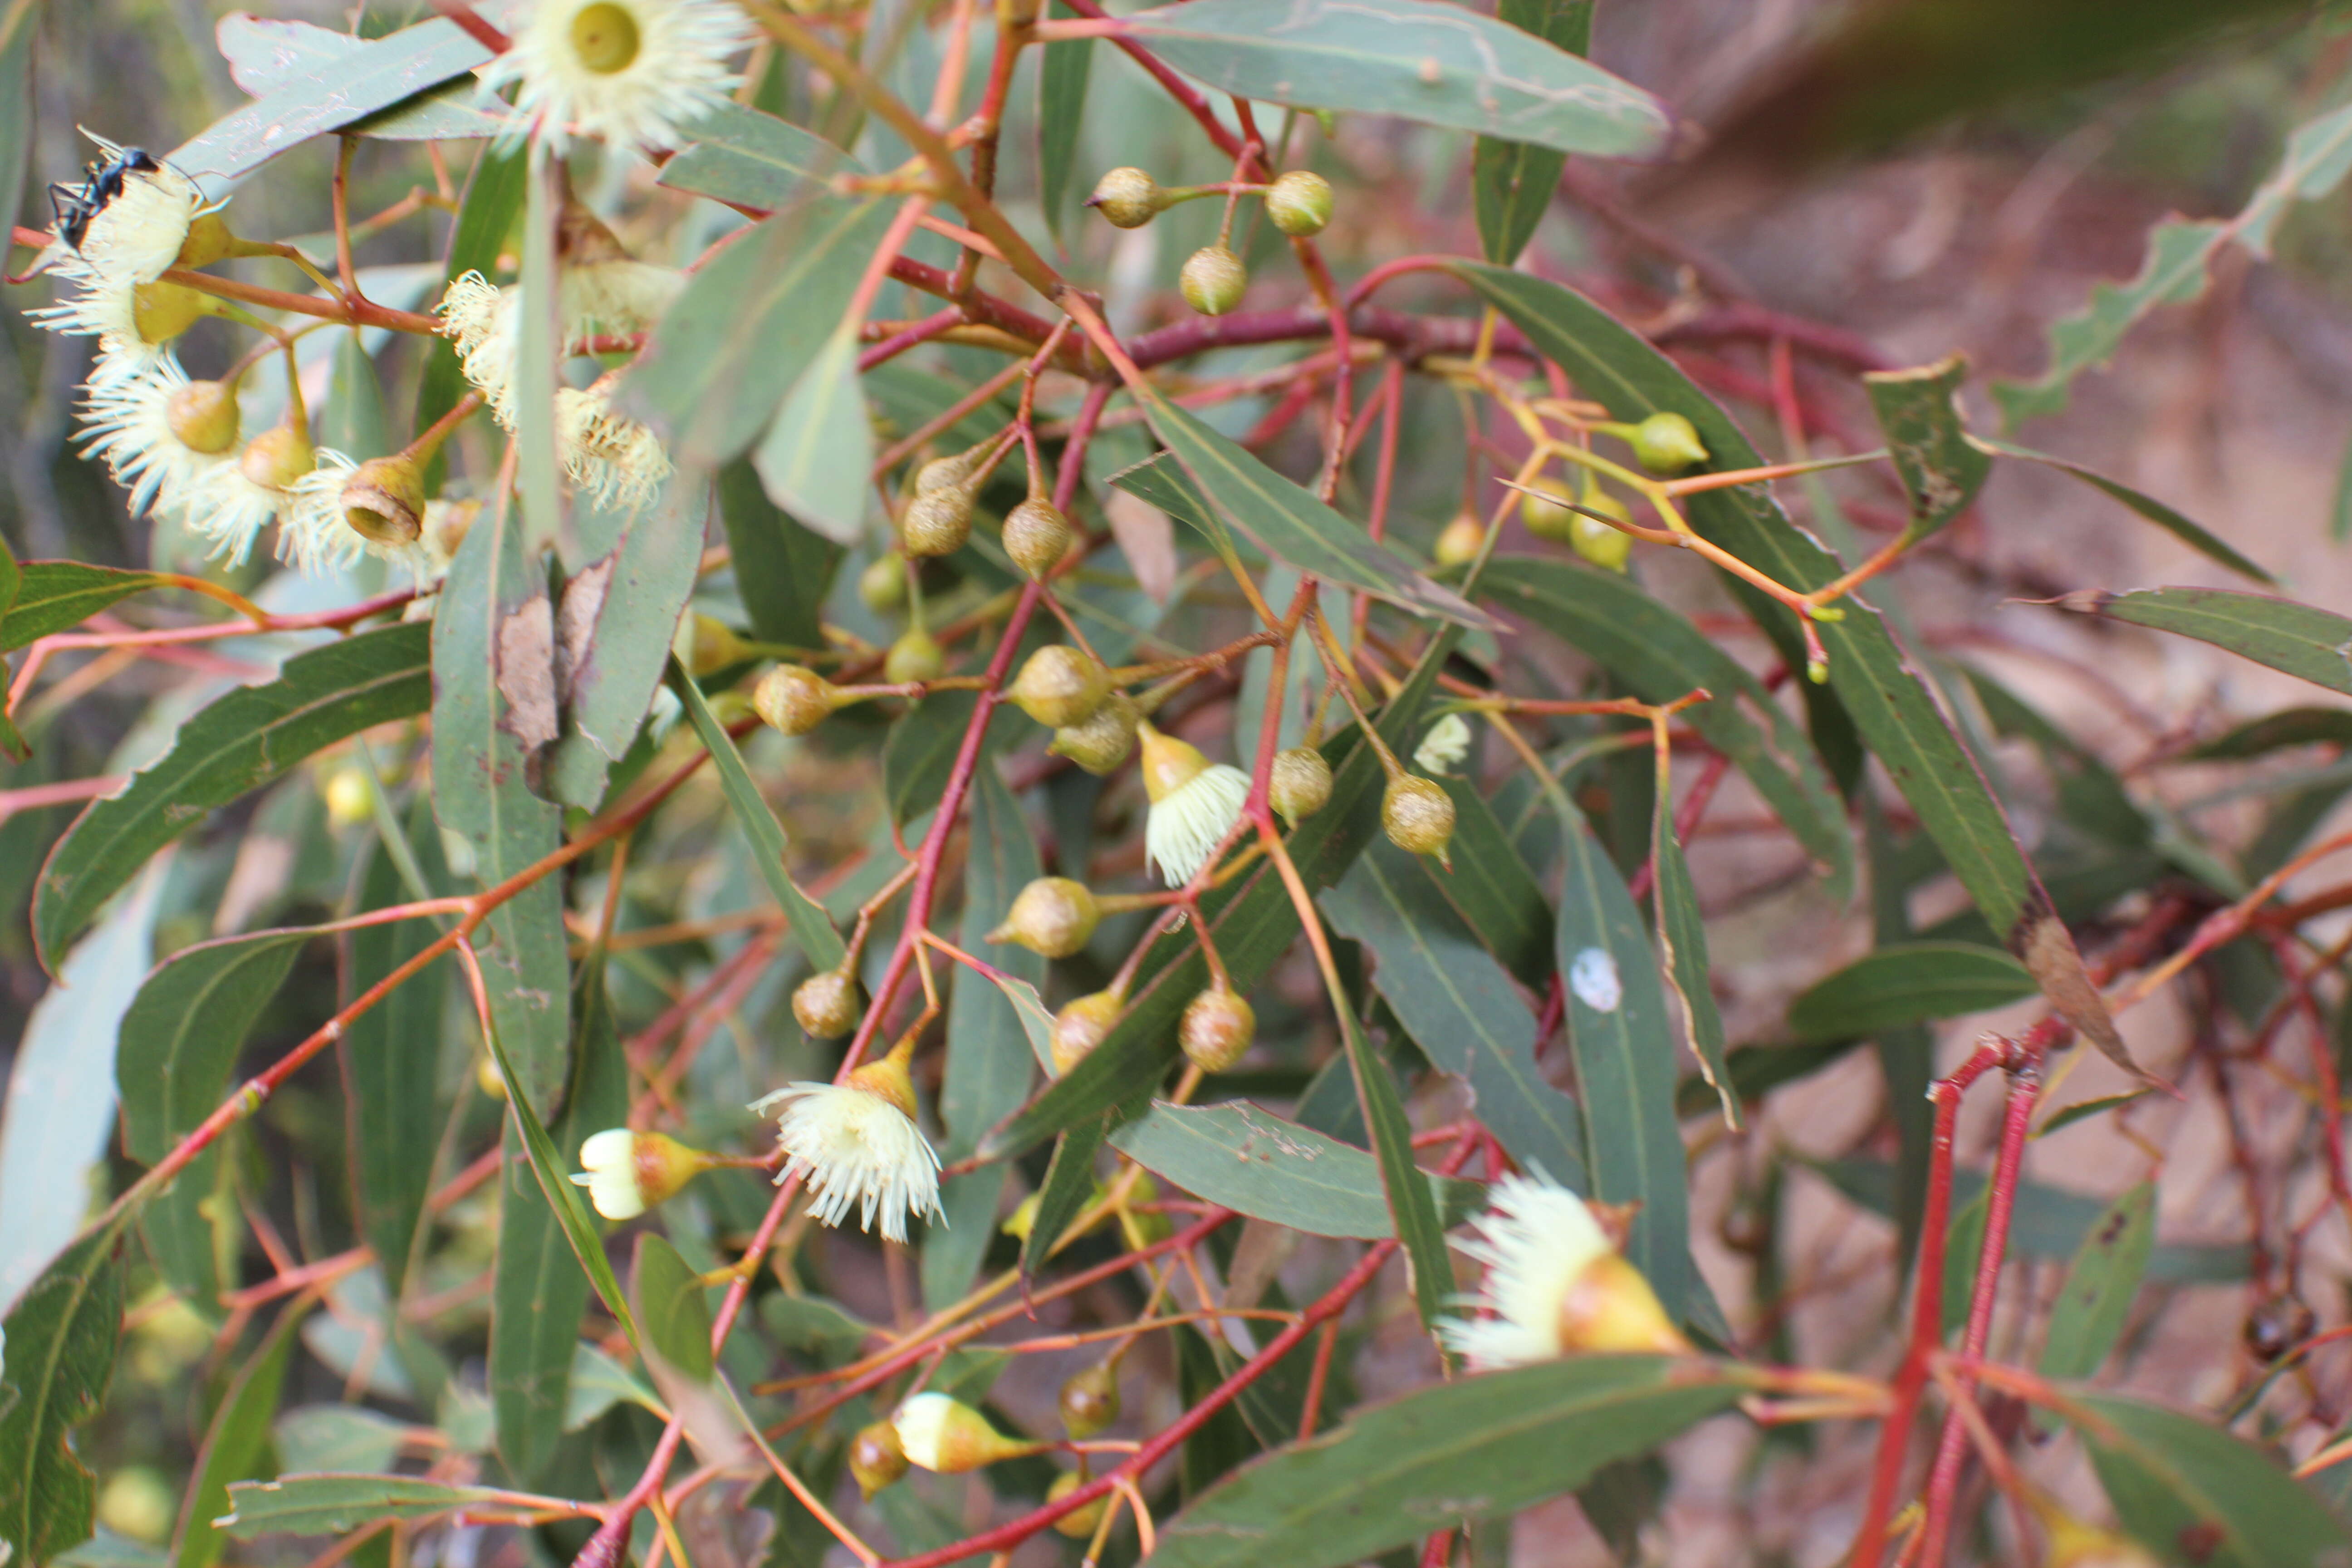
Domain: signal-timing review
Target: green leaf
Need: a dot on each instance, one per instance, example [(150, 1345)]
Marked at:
[(493, 705), (1411, 1206), (2301, 640), (18, 28), (1941, 470), (2339, 510), (1061, 116), (340, 1437), (919, 755), (353, 421), (1907, 983), (1279, 517), (751, 323), (60, 1339), (1682, 947), (1480, 1447), (1963, 1253), (1434, 63), (814, 457), (1660, 655), (599, 1382), (1624, 1063), (1511, 183), (2180, 256), (2193, 1491), (1496, 891), (2087, 1318), (1458, 1005), (243, 741), (2276, 732), (336, 1505), (236, 1444), (266, 54), (751, 159), (2193, 535), (1068, 1187), (672, 1312), (52, 595), (782, 569), (486, 217), (811, 928), (1256, 1164), (536, 351)]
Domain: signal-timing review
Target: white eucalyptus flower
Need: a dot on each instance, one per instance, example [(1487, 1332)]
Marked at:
[(616, 295), (630, 72), (1554, 1284), (312, 536), (612, 456), (1444, 747), (856, 1143), (482, 321), (160, 433), (133, 323), (137, 235), (1195, 803)]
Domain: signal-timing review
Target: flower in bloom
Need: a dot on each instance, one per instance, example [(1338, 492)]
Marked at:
[(126, 247), (1194, 805), (1444, 747), (617, 294), (137, 235), (614, 459), (311, 535), (857, 1142), (481, 318), (231, 503), (160, 433), (630, 72), (627, 1173), (943, 1435), (1554, 1284)]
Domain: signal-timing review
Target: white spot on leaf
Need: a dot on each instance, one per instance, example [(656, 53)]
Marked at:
[(1594, 977)]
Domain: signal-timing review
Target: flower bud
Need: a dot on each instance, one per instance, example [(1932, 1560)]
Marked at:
[(162, 312), (876, 1458), (1213, 280), (1546, 517), (883, 584), (793, 699), (1080, 1523), (384, 501), (201, 416), (1459, 544), (1036, 535), (278, 457), (1667, 443), (1103, 740), (349, 801), (943, 1435), (1059, 686), (138, 1502), (827, 1004), (1299, 785), (1299, 203), (627, 1173), (1604, 546), (1083, 1024), (2277, 1326), (1090, 1400), (1216, 1030), (706, 645), (1052, 915), (1418, 815), (1127, 198), (946, 473), (488, 1078), (937, 523), (916, 655), (887, 1078)]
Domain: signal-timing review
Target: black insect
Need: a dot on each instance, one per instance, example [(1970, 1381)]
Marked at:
[(74, 206)]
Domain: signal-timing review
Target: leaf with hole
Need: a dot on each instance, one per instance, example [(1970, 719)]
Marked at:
[(1940, 468)]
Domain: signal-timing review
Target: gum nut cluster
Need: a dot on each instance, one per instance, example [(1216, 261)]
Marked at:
[(883, 584), (949, 1438), (1127, 198), (916, 657), (1299, 203), (854, 1143), (1089, 1400), (1059, 686), (793, 699), (1052, 915), (1212, 281), (1036, 536), (1216, 1030), (1554, 1285), (1667, 443)]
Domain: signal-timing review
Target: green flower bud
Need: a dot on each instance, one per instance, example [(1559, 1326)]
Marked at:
[(916, 655), (1059, 686), (706, 646), (1105, 740), (1216, 1030), (793, 699), (1299, 785), (876, 1458), (1127, 198), (943, 1435), (827, 1004), (1090, 1400), (1052, 915), (1667, 443), (1299, 203), (1459, 544), (1604, 546), (1418, 815), (1213, 280), (384, 501), (1083, 1024), (1036, 535), (883, 584), (937, 523), (1079, 1523), (203, 416), (946, 473), (1546, 517)]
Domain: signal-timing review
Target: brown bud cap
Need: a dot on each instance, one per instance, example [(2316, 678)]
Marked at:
[(793, 699), (1052, 915), (706, 644), (1299, 203), (883, 584), (1103, 741), (1059, 686), (1090, 1400), (1548, 518), (1667, 443), (162, 312), (1213, 280), (384, 501), (203, 416), (827, 1004), (1462, 540), (876, 1458), (916, 655), (1127, 198), (1036, 535), (1300, 783), (1216, 1030), (278, 457), (1418, 815), (1079, 1523), (1083, 1024), (937, 523)]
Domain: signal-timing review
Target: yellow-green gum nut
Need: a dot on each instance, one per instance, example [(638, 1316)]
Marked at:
[(1299, 203), (1059, 686), (1213, 280), (706, 644), (916, 656), (827, 1004), (1667, 443), (349, 800), (208, 241), (278, 457), (1036, 535), (1299, 785), (488, 1078), (883, 584), (793, 699), (937, 523), (1545, 517), (1418, 815), (1603, 545), (876, 1458), (1216, 1030), (1126, 197), (1083, 1024), (1052, 915), (162, 312), (1079, 1523), (1459, 544), (138, 1503), (1090, 1400), (203, 416), (1103, 741), (384, 501), (944, 473)]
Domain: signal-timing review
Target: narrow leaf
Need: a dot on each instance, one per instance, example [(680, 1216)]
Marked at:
[(353, 421), (1511, 183), (336, 1505), (238, 1442), (782, 569), (60, 1342), (751, 159), (52, 595), (266, 54), (2193, 535), (814, 457), (1908, 982), (1941, 470), (1061, 115), (1682, 946), (2302, 640), (2186, 1487), (672, 1312), (2087, 1318)]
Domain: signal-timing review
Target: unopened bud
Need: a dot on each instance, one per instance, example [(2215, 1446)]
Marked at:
[(1105, 740), (1605, 547), (1213, 280), (349, 801), (1300, 783), (793, 699), (916, 657), (883, 584), (827, 1005), (1667, 443), (1459, 544), (1127, 198), (1299, 203), (706, 645), (1418, 815), (1052, 915), (876, 1458), (1080, 1523), (1059, 686), (943, 1435), (1090, 1399), (278, 457), (162, 312), (627, 1173), (946, 473), (1083, 1024), (384, 501), (1543, 506), (1216, 1030), (937, 523), (1036, 535), (201, 416)]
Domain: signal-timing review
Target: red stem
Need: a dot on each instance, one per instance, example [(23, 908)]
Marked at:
[(1176, 86)]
